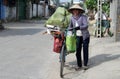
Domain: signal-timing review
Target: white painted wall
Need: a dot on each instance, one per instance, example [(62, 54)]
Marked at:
[(34, 10), (10, 13), (47, 11), (40, 10)]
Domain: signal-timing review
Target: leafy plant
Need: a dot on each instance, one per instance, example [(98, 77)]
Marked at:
[(91, 4), (106, 7)]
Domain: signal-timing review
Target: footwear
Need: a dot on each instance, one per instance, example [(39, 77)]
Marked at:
[(111, 35), (85, 67), (78, 68)]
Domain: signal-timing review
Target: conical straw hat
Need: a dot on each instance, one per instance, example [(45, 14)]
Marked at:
[(76, 6)]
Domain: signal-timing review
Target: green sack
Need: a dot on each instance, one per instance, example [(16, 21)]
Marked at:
[(56, 19), (60, 18), (71, 42)]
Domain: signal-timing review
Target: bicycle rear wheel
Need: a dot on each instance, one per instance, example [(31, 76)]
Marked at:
[(62, 60)]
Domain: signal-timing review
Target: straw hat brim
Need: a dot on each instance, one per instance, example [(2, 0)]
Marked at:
[(77, 7)]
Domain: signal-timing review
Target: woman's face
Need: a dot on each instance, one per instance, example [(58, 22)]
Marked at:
[(76, 12)]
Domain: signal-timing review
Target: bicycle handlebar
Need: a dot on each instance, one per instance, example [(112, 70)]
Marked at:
[(74, 28)]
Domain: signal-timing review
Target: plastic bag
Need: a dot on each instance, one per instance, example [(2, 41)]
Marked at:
[(71, 42)]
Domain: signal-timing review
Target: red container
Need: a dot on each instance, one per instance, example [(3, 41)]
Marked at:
[(57, 44)]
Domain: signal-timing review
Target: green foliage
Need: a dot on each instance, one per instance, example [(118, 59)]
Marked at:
[(91, 4), (106, 7)]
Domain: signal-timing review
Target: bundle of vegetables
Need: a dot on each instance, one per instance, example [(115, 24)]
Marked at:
[(60, 18)]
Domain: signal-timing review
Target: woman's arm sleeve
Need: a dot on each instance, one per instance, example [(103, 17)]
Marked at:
[(84, 23)]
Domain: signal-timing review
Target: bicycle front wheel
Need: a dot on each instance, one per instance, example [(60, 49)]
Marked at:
[(62, 60)]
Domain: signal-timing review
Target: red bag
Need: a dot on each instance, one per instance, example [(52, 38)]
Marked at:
[(57, 44)]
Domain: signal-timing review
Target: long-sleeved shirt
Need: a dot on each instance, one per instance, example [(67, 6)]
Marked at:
[(82, 24)]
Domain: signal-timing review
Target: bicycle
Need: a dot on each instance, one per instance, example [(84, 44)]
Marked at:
[(62, 56), (55, 32), (63, 51)]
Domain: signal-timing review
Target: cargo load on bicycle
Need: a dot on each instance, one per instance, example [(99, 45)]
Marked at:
[(59, 18)]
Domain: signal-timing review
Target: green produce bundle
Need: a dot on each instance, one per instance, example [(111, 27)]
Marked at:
[(60, 18)]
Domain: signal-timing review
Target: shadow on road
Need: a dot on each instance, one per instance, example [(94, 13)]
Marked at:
[(19, 31), (94, 61), (99, 59)]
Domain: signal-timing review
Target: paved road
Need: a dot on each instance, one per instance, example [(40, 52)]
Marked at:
[(25, 53)]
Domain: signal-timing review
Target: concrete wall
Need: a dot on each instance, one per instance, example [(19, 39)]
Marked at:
[(113, 15), (118, 21)]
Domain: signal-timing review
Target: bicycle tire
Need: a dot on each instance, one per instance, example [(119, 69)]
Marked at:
[(62, 60)]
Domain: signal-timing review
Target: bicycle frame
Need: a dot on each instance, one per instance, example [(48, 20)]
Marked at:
[(62, 56), (56, 32)]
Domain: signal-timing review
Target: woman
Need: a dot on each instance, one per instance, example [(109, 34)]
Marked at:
[(80, 23)]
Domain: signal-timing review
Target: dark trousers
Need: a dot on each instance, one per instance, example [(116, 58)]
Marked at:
[(85, 44)]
